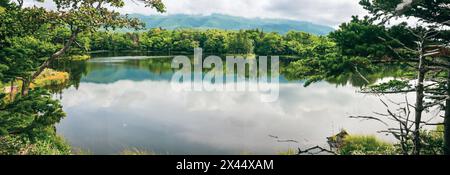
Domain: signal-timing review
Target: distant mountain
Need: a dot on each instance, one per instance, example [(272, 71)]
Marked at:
[(218, 21)]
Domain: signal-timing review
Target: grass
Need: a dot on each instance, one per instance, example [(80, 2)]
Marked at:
[(79, 57), (136, 151), (365, 145), (47, 143), (81, 151), (50, 77), (46, 79), (289, 152)]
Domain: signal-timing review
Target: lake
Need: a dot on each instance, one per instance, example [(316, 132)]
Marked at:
[(122, 102)]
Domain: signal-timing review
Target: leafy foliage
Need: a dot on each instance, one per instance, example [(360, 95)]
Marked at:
[(212, 41), (324, 62), (433, 141), (48, 144), (31, 38), (29, 114), (392, 86)]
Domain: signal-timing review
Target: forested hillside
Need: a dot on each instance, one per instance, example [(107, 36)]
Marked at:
[(218, 21)]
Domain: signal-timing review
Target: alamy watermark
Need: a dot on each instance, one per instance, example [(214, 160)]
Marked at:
[(239, 74)]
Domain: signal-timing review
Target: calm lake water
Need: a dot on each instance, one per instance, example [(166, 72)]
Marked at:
[(115, 103)]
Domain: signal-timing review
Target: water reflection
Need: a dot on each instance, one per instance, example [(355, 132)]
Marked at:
[(116, 103)]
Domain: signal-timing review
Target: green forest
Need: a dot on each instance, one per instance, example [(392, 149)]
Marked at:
[(34, 38), (211, 40)]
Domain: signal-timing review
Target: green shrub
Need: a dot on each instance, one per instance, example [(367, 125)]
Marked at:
[(433, 141)]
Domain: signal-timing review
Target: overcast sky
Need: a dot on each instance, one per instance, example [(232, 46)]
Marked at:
[(327, 12)]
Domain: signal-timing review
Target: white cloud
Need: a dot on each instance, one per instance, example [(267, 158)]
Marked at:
[(161, 119), (328, 12)]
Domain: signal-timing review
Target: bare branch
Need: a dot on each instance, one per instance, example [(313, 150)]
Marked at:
[(320, 150), (369, 118)]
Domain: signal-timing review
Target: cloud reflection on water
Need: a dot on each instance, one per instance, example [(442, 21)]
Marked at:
[(106, 118)]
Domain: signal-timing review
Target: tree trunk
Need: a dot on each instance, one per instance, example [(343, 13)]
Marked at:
[(418, 111), (447, 119), (11, 90), (51, 59), (419, 101), (25, 87)]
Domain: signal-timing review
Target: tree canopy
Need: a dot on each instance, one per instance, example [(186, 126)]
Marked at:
[(31, 38)]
